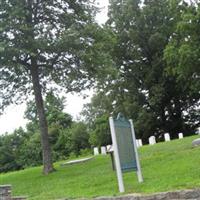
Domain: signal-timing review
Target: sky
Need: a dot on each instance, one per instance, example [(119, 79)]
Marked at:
[(13, 116)]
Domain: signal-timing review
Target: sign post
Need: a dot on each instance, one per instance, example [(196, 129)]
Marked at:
[(125, 149), (139, 172), (116, 156)]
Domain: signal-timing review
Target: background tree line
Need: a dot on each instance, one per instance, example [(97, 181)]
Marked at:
[(22, 148)]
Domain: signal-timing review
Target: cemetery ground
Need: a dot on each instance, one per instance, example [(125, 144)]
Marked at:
[(166, 166)]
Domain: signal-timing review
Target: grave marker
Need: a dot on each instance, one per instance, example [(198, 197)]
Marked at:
[(167, 137), (103, 150), (96, 151), (140, 143), (180, 135), (108, 147), (152, 140), (137, 143)]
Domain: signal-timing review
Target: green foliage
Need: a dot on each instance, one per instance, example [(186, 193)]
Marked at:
[(9, 150), (22, 149), (58, 122), (30, 152), (54, 106), (100, 136), (166, 166), (96, 114), (78, 137), (140, 85), (182, 57), (60, 39)]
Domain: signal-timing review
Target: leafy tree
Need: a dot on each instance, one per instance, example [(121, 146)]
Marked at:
[(96, 114), (58, 123), (100, 136), (79, 137), (142, 89), (182, 52), (22, 149), (10, 150), (62, 147), (43, 44), (30, 151), (54, 106), (99, 105), (182, 55)]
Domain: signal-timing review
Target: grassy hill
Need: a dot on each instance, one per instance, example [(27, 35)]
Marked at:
[(165, 166)]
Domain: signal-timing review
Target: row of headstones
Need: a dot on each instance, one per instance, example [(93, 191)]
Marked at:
[(152, 140), (104, 150), (107, 149)]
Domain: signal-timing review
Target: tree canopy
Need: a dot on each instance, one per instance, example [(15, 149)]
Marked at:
[(146, 47)]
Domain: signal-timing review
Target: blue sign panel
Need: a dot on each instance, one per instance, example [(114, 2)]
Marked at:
[(125, 144)]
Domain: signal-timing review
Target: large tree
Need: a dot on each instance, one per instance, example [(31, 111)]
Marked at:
[(182, 55), (142, 88), (44, 44)]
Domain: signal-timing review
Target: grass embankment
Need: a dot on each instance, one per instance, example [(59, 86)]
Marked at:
[(165, 166)]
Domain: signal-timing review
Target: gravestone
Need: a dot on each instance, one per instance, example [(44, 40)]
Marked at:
[(152, 140), (140, 143), (167, 137), (103, 150), (108, 147), (137, 143), (96, 151), (196, 142), (180, 135)]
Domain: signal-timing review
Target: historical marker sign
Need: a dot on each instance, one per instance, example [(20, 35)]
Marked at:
[(125, 144), (125, 149)]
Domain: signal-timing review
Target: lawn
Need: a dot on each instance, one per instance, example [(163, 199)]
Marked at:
[(166, 166)]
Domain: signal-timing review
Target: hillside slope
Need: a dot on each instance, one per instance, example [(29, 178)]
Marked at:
[(165, 166)]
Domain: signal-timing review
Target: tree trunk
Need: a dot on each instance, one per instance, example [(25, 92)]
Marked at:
[(46, 150)]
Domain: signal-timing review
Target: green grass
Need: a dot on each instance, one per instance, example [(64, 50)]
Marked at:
[(165, 166)]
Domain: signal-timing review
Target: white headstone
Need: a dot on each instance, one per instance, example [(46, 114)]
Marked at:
[(180, 135), (152, 140), (103, 150), (137, 143), (96, 151), (167, 137), (108, 147), (198, 131), (140, 143)]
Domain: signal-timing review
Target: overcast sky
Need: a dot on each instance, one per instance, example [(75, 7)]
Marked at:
[(13, 115)]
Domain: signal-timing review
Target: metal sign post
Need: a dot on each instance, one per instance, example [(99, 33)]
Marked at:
[(116, 156), (139, 172), (125, 149)]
